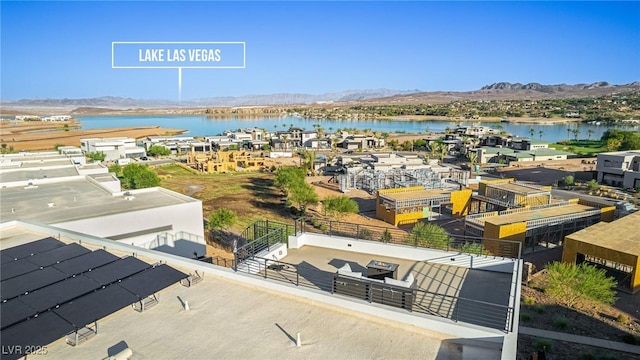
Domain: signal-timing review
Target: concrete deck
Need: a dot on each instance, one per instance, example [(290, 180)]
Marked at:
[(317, 265), (231, 321)]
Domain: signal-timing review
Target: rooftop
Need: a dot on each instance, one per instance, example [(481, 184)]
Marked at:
[(77, 199), (517, 188), (537, 214), (621, 235), (415, 194), (246, 321), (32, 173)]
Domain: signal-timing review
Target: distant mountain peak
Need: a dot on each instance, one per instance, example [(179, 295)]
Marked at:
[(507, 86)]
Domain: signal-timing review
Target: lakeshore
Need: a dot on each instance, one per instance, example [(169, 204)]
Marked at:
[(36, 135)]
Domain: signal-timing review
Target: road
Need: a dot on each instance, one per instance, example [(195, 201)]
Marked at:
[(566, 195)]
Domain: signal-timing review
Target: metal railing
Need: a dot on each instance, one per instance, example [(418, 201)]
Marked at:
[(455, 308), (458, 243), (262, 243)]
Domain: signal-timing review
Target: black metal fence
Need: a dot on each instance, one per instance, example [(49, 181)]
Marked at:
[(464, 244), (455, 308), (263, 235)]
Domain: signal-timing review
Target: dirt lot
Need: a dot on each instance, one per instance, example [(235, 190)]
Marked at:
[(37, 135), (593, 320)]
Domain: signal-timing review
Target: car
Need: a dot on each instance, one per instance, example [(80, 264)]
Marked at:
[(144, 158)]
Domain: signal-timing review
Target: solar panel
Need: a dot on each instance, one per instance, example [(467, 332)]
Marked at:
[(15, 268), (117, 270), (50, 257), (96, 305), (34, 247), (30, 281), (59, 293), (14, 311), (31, 334), (152, 280), (85, 262), (5, 258)]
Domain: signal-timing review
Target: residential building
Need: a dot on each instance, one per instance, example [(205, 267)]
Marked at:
[(87, 198), (620, 168), (113, 148)]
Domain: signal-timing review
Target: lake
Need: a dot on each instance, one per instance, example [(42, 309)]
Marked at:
[(203, 126)]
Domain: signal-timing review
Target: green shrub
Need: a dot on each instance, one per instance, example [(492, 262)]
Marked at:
[(365, 234), (561, 323), (525, 317), (538, 308), (529, 300), (623, 319), (542, 344), (340, 205), (568, 180), (386, 236), (592, 185), (572, 284)]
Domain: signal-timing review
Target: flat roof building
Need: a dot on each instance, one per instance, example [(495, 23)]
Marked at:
[(620, 168), (236, 305), (89, 199), (537, 225), (614, 246)]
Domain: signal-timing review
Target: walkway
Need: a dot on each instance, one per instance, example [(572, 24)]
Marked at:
[(606, 344)]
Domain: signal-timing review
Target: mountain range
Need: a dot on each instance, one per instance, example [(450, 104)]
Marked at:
[(495, 91)]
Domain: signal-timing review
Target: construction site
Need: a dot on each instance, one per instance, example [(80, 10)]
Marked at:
[(533, 226), (504, 194), (409, 205), (372, 180), (614, 247), (216, 162)]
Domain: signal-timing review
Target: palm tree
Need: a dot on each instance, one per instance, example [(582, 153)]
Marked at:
[(575, 133), (589, 133), (540, 133), (442, 151), (568, 133), (532, 131), (473, 159)]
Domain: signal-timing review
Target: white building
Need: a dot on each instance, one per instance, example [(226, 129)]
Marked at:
[(89, 199), (113, 148), (56, 118), (620, 168)]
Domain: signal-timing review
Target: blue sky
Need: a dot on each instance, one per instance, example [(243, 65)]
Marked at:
[(63, 49)]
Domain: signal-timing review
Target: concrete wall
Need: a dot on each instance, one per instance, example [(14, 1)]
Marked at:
[(181, 217), (490, 263)]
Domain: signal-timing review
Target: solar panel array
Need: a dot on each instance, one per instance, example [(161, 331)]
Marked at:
[(49, 289)]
